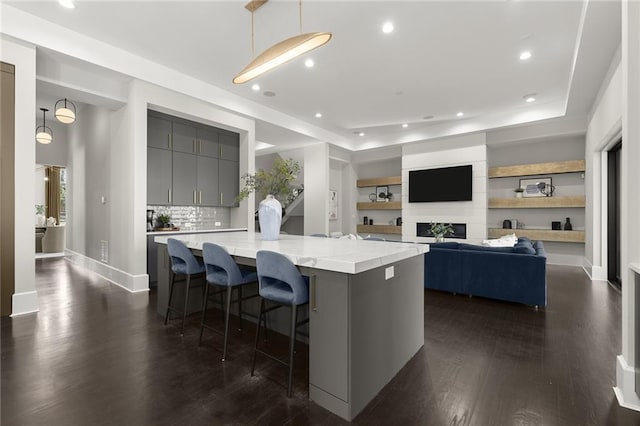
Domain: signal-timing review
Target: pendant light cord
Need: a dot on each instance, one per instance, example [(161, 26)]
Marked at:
[(300, 13), (253, 47)]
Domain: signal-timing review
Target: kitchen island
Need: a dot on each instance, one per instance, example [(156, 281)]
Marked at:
[(366, 310)]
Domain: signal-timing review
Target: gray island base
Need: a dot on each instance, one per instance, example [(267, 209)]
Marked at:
[(366, 309)]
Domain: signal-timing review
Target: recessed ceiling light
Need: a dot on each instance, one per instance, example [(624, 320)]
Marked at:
[(525, 55), (460, 114), (405, 125), (427, 117), (387, 28), (309, 63), (318, 115), (269, 94), (67, 3), (361, 134), (255, 87), (530, 98)]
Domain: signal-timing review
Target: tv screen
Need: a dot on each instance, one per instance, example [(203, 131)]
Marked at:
[(443, 184)]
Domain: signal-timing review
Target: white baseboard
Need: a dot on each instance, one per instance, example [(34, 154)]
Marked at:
[(595, 273), (129, 282), (625, 388), (24, 303)]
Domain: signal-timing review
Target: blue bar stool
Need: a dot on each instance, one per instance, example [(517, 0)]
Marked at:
[(223, 271), (183, 262), (280, 282)]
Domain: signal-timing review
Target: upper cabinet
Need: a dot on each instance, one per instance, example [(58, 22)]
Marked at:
[(158, 132), (191, 164)]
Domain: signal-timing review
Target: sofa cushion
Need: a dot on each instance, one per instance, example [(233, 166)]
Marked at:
[(539, 248), (464, 246), (524, 247), (521, 239)]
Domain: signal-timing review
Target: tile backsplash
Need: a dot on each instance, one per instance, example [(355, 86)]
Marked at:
[(195, 217)]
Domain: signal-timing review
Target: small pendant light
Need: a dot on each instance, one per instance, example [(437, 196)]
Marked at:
[(44, 134), (65, 111)]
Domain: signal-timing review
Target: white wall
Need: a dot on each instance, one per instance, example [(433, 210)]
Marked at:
[(55, 153), (453, 151), (627, 362), (316, 189), (23, 56)]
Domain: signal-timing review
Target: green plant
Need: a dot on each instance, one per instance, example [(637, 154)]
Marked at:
[(276, 181), (164, 219), (441, 230), (39, 209)]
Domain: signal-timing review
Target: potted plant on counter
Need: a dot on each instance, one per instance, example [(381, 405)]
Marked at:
[(274, 186), (441, 230), (164, 220)]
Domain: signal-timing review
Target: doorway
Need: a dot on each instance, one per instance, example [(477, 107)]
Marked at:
[(613, 214)]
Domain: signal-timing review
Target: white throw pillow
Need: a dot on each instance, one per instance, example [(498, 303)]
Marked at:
[(504, 241)]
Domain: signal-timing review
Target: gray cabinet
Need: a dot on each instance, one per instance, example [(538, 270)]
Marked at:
[(184, 179), (208, 142), (184, 138), (158, 132), (207, 181), (229, 182), (229, 146), (159, 176), (190, 164)]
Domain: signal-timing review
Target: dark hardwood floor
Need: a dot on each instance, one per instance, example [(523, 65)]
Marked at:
[(97, 355)]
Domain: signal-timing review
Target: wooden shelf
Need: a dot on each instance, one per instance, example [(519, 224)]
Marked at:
[(379, 229), (537, 169), (537, 202), (540, 234), (390, 180), (390, 205)]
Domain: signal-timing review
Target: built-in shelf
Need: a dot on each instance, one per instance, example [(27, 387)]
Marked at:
[(379, 229), (540, 234), (390, 205), (537, 202), (571, 166), (389, 180)]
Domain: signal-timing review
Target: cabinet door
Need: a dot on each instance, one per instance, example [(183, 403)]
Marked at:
[(208, 142), (158, 176), (184, 138), (158, 132), (229, 181), (184, 179), (229, 146), (208, 181)]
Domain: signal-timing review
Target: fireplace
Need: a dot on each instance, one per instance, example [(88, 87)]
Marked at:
[(423, 229)]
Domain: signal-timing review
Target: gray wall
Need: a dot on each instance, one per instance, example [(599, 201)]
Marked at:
[(88, 173)]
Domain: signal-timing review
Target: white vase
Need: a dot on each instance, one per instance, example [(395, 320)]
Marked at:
[(270, 218), (439, 239), (40, 220)]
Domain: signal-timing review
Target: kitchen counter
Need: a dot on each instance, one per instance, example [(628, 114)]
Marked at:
[(366, 308)]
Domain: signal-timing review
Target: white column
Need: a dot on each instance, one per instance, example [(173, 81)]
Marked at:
[(316, 189)]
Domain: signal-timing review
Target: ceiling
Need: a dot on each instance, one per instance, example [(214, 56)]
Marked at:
[(442, 58)]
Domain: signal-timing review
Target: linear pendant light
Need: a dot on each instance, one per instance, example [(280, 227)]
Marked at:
[(281, 52), (44, 134)]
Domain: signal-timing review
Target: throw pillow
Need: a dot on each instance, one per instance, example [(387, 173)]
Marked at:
[(524, 247)]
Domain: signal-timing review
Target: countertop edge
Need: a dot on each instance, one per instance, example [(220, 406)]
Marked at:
[(194, 231)]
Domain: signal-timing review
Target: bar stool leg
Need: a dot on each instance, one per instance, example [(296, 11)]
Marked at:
[(294, 321), (173, 279), (226, 322), (255, 345), (240, 306), (204, 310), (186, 304)]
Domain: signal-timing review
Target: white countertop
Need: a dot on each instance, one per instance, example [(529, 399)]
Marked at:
[(195, 231), (348, 256)]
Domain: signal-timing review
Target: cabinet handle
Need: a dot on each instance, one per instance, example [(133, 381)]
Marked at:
[(314, 306), (199, 146), (221, 198), (169, 195), (199, 197), (170, 140), (194, 197)]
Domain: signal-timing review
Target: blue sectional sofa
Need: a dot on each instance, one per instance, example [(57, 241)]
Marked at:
[(514, 274)]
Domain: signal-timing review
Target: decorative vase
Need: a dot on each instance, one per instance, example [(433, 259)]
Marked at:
[(567, 225), (40, 220), (518, 194), (440, 239), (270, 218)]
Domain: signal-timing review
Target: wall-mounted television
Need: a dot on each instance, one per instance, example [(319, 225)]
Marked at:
[(442, 184)]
